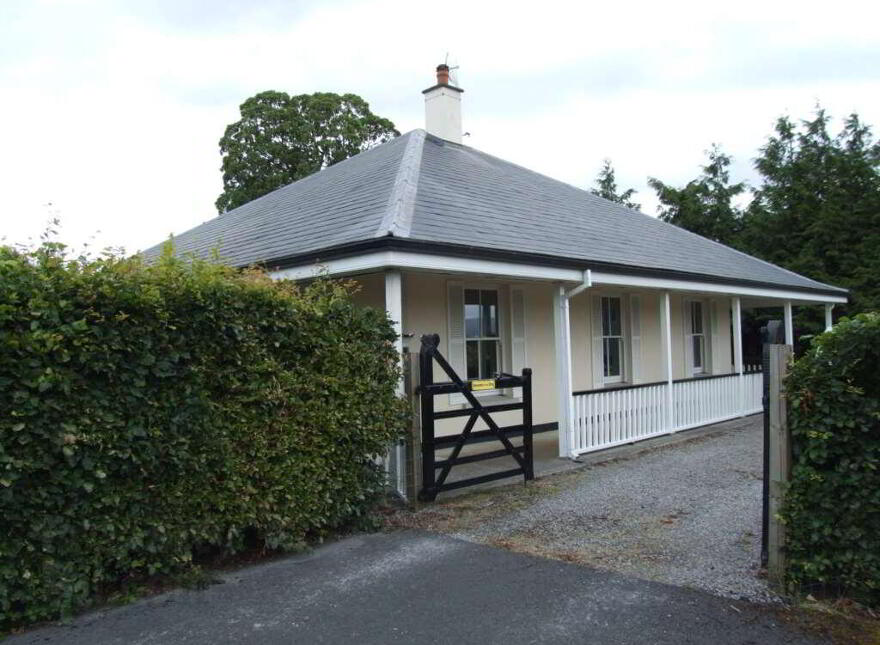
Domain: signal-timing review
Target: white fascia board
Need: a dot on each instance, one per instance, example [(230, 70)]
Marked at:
[(381, 260), (601, 278)]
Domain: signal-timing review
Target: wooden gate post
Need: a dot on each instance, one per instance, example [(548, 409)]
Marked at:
[(528, 428), (780, 461), (426, 404), (413, 438)]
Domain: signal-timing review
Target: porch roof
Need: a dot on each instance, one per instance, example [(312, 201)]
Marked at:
[(425, 194)]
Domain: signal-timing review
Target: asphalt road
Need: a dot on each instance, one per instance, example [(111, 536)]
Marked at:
[(413, 587)]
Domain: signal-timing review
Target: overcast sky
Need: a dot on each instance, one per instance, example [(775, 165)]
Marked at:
[(111, 111)]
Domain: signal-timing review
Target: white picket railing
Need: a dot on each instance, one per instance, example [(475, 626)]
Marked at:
[(605, 418), (608, 418), (753, 394)]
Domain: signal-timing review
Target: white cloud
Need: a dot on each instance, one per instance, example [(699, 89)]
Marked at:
[(112, 111)]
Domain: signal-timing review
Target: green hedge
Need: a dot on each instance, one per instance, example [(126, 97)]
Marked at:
[(147, 412), (832, 508)]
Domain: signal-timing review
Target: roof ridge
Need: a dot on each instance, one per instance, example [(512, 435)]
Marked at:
[(397, 220)]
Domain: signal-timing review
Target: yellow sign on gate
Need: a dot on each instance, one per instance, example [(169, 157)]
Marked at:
[(487, 384)]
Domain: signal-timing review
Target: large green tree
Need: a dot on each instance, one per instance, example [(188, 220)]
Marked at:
[(706, 204), (817, 210), (282, 138), (606, 187)]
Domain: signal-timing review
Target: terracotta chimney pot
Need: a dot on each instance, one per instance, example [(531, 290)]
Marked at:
[(442, 74)]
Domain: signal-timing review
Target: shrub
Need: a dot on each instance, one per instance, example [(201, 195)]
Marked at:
[(832, 508), (150, 411)]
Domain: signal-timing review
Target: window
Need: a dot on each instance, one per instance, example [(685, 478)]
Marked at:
[(482, 338), (486, 333), (612, 339), (696, 336)]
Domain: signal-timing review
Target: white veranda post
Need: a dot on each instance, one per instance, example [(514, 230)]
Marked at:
[(666, 336), (789, 326), (394, 309), (736, 313), (828, 321), (562, 342)]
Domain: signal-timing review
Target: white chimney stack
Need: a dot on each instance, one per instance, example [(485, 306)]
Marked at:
[(443, 108)]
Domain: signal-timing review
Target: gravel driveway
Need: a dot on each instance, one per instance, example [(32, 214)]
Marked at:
[(687, 514)]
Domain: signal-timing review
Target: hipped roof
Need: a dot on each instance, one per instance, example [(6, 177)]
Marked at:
[(422, 191)]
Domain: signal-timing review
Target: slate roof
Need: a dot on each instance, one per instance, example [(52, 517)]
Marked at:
[(421, 189)]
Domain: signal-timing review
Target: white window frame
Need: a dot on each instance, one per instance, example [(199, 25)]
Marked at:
[(621, 339), (457, 398), (500, 339), (702, 369)]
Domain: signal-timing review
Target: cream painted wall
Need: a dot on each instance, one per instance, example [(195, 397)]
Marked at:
[(718, 341), (581, 341), (722, 351), (652, 345), (425, 312)]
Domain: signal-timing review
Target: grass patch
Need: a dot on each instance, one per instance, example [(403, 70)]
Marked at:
[(842, 621), (471, 510)]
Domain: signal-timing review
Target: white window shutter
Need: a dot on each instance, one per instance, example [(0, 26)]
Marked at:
[(635, 326), (598, 357), (714, 337), (517, 331), (517, 335), (688, 338), (455, 341)]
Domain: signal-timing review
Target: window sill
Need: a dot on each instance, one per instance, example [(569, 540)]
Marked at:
[(489, 397), (495, 397)]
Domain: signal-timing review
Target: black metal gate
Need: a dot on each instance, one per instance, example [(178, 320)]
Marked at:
[(432, 483)]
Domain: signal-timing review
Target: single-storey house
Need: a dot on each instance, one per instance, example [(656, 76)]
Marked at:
[(630, 325)]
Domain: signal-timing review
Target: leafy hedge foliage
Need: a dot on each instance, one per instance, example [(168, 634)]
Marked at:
[(150, 411), (832, 507)]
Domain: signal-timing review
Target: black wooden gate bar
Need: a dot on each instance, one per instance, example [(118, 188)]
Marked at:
[(432, 483)]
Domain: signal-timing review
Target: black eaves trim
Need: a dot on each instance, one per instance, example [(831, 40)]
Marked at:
[(455, 250)]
